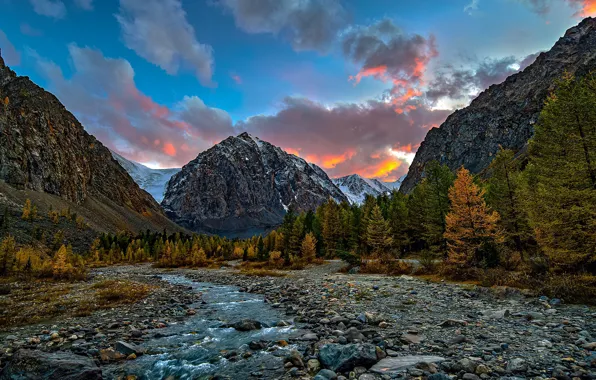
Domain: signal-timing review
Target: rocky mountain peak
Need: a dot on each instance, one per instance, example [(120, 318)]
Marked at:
[(356, 188), (245, 185), (504, 114)]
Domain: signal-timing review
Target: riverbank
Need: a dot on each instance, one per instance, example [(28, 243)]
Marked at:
[(361, 326)]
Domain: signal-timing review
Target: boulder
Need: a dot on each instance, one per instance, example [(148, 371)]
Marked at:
[(39, 365), (343, 358), (247, 325), (396, 364)]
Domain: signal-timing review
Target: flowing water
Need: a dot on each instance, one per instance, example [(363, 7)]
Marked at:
[(196, 348)]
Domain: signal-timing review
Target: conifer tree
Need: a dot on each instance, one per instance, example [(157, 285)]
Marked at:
[(331, 227), (7, 254), (27, 210), (398, 220), (439, 179), (296, 236), (378, 234), (60, 267), (504, 196), (471, 227), (561, 176), (309, 247)]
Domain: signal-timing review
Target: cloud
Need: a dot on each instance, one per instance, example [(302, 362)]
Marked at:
[(10, 55), (473, 6), (387, 53), (50, 8), (158, 31), (585, 8), (236, 78), (307, 24), (28, 30), (84, 4), (103, 95), (347, 138), (465, 83)]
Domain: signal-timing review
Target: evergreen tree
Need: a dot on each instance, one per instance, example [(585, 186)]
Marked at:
[(331, 227), (504, 196), (561, 176), (471, 228), (296, 236), (378, 234), (7, 254), (398, 220), (439, 179), (5, 219)]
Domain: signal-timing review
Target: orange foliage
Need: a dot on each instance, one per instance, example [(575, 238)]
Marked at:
[(470, 223)]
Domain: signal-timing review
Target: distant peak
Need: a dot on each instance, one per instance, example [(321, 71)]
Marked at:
[(245, 135)]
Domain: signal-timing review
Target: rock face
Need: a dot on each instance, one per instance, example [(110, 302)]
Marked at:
[(44, 148), (39, 365), (153, 181), (356, 187), (243, 185), (504, 114)]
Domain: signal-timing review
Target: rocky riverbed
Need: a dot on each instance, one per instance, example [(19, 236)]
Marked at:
[(314, 323)]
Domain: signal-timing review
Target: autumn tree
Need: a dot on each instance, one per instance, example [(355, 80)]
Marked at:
[(61, 264), (378, 234), (471, 227), (309, 247), (27, 211), (561, 176)]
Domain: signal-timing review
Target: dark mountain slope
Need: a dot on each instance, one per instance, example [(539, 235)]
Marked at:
[(504, 114), (45, 149)]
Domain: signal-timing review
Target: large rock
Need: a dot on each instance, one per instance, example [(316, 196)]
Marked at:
[(396, 364), (243, 185), (247, 325), (504, 114), (38, 365), (343, 358)]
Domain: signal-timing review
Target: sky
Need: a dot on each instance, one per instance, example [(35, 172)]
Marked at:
[(350, 85)]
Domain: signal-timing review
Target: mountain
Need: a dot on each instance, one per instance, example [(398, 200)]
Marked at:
[(356, 187), (46, 154), (153, 181), (395, 184), (504, 114), (243, 186)]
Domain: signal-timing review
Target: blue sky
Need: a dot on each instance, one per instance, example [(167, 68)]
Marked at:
[(161, 80)]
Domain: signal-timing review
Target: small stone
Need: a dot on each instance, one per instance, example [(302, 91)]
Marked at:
[(131, 357), (517, 365), (325, 374), (470, 376), (313, 366), (383, 325), (482, 369)]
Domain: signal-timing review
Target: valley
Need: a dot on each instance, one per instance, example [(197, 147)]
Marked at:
[(369, 202)]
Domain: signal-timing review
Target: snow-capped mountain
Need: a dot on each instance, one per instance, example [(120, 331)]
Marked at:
[(153, 181), (245, 184), (396, 184), (356, 187)]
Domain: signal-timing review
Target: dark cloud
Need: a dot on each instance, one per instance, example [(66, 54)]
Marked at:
[(10, 55), (347, 138), (307, 24), (383, 44), (464, 84), (50, 8), (103, 94), (159, 31), (584, 8)]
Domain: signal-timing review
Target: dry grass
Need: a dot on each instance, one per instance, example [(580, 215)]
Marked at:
[(393, 268), (261, 272), (112, 292)]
